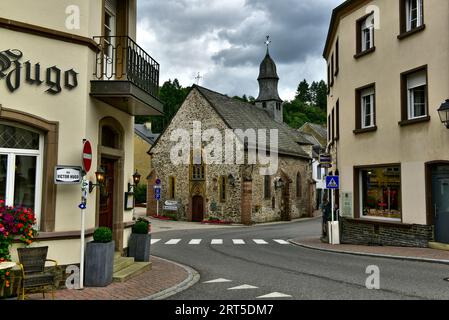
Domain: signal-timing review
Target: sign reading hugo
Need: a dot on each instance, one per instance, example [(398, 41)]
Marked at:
[(68, 175), (12, 70)]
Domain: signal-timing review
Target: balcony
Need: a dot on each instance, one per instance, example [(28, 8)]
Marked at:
[(126, 77)]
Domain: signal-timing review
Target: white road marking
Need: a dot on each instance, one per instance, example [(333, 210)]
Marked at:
[(243, 287), (260, 241), (238, 241), (217, 241), (195, 241), (219, 280), (153, 241), (173, 241), (281, 241), (274, 295)]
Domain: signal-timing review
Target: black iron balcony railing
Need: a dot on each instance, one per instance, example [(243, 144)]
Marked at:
[(120, 58)]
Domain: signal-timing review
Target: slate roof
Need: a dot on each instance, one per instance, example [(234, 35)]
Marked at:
[(241, 115), (145, 134)]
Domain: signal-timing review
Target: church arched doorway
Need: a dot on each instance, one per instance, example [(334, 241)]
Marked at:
[(197, 208)]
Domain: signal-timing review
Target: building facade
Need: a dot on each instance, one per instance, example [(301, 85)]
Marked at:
[(68, 73), (388, 73), (144, 138), (233, 191)]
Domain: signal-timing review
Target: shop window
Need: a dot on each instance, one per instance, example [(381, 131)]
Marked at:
[(380, 190), (21, 167)]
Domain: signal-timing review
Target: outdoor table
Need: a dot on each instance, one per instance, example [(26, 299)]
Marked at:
[(7, 265)]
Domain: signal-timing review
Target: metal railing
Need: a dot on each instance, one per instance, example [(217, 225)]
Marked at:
[(120, 58)]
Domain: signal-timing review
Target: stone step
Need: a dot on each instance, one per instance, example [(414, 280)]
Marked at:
[(117, 255), (131, 271), (439, 246), (122, 262)]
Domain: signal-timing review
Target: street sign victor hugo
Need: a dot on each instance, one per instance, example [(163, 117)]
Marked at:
[(11, 70)]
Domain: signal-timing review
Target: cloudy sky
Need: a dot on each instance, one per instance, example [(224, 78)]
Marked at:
[(223, 40)]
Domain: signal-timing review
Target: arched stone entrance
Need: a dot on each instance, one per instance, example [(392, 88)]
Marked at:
[(197, 208)]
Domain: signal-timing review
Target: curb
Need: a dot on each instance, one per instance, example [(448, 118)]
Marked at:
[(192, 278), (376, 255)]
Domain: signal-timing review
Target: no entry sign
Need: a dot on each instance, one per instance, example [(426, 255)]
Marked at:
[(87, 156)]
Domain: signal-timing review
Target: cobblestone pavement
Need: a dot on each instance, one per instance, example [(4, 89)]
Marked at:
[(162, 276)]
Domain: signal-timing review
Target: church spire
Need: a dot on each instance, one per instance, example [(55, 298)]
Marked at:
[(268, 98)]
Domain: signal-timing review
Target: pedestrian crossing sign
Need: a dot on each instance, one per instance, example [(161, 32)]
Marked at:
[(332, 182)]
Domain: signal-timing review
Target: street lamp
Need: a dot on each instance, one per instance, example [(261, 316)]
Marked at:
[(99, 176), (231, 179), (444, 113), (136, 180)]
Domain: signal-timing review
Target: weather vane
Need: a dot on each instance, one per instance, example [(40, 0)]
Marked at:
[(198, 78)]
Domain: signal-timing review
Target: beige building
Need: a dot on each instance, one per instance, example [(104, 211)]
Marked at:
[(144, 138), (388, 74), (231, 190), (68, 73)]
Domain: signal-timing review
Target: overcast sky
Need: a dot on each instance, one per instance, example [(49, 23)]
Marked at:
[(223, 40)]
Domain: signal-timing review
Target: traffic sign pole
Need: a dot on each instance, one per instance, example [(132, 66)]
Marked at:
[(82, 206)]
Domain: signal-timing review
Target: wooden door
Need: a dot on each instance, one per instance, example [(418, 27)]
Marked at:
[(197, 209), (107, 194)]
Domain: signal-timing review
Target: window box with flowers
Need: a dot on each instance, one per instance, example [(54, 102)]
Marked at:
[(15, 223)]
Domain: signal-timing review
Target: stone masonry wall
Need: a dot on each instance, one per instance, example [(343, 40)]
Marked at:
[(385, 234)]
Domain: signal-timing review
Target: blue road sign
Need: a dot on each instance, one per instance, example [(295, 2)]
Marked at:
[(82, 206), (158, 181), (332, 182), (157, 196)]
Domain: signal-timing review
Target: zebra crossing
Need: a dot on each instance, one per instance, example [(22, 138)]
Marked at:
[(237, 242)]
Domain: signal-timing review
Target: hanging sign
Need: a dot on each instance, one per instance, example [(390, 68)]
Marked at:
[(68, 175)]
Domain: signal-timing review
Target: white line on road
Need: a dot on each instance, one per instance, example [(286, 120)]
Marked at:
[(243, 287), (281, 241), (173, 241), (217, 241), (195, 241), (153, 241), (260, 241), (274, 295), (219, 280), (238, 241)]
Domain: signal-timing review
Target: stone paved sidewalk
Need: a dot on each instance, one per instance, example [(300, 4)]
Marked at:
[(162, 276), (419, 254)]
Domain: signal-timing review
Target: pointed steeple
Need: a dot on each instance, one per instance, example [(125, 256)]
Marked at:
[(268, 98)]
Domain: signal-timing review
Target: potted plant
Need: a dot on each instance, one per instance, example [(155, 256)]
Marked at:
[(99, 258), (139, 241)]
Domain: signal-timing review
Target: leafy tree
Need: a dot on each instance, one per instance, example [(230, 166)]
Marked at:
[(303, 92), (172, 94)]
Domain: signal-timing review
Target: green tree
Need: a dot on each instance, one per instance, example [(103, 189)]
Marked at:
[(172, 94), (303, 92)]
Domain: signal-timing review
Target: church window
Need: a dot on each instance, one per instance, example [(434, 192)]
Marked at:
[(298, 185), (264, 105), (222, 189), (267, 187), (171, 187)]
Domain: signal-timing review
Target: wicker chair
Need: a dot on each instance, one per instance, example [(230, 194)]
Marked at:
[(34, 276)]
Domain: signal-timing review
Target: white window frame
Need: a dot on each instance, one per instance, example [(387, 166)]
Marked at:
[(414, 81), (10, 172), (371, 94), (408, 13), (367, 28)]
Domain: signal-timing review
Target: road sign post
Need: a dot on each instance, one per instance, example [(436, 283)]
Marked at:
[(332, 184), (87, 163), (157, 194)]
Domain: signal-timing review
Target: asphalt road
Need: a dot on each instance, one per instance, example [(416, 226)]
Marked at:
[(289, 271)]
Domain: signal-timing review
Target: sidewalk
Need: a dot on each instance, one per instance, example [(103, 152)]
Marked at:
[(402, 253), (164, 279)]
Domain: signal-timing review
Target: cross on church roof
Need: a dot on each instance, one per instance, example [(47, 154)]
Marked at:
[(267, 42), (198, 78)]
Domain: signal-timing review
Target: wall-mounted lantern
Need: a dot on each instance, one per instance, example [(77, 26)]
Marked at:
[(136, 181), (99, 176), (231, 179), (279, 183), (443, 111)]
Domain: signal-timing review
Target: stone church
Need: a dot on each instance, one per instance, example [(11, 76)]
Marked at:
[(235, 192)]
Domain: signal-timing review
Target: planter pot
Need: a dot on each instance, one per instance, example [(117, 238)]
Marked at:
[(12, 290), (139, 247), (99, 264)]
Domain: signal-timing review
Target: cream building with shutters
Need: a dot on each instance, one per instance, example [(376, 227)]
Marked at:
[(388, 74), (68, 72)]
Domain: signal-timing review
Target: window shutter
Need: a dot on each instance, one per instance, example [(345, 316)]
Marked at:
[(416, 80)]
